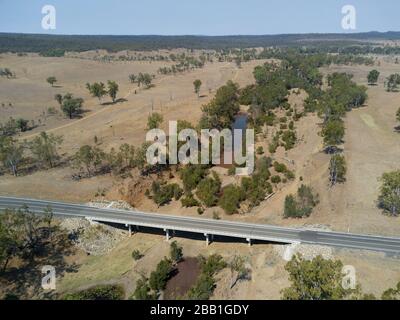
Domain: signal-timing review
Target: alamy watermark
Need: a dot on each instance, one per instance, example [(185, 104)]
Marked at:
[(238, 147), (349, 20), (49, 18), (49, 280), (349, 280)]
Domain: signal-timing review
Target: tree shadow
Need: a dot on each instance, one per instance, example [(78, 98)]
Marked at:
[(25, 281), (397, 129), (333, 150), (120, 100)]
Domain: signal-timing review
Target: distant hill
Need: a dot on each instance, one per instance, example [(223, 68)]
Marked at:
[(13, 42)]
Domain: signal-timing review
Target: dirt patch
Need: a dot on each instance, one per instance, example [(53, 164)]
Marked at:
[(186, 276)]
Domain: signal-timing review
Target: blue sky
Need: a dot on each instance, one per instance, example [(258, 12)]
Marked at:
[(206, 17)]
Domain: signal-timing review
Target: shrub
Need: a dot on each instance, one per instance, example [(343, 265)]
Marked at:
[(289, 138), (158, 278), (103, 292), (208, 189), (289, 175), (337, 169), (273, 146), (142, 291), (389, 198), (280, 167), (276, 179), (189, 201), (230, 199), (163, 194), (154, 120), (137, 255), (191, 175), (302, 205), (176, 252)]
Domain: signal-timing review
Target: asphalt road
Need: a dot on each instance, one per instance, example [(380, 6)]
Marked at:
[(211, 227)]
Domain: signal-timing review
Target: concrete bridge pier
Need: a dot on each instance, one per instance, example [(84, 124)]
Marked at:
[(209, 238), (167, 235), (249, 241)]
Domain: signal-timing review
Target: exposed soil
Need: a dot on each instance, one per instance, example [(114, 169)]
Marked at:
[(186, 275)]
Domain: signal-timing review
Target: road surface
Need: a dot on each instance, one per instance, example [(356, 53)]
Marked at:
[(211, 227)]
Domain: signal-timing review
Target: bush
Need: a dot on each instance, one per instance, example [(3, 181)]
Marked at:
[(103, 292), (212, 265), (154, 121), (142, 291), (176, 252), (280, 167), (389, 198), (208, 189), (289, 175), (189, 201), (260, 150), (191, 175), (203, 288), (230, 199), (276, 179), (337, 169), (136, 255), (273, 146), (158, 278), (302, 205), (289, 138), (163, 194)]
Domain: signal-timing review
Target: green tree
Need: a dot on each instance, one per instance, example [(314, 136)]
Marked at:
[(44, 148), (51, 80), (208, 190), (333, 133), (97, 90), (197, 85), (137, 255), (101, 292), (132, 78), (142, 291), (302, 205), (392, 293), (220, 112), (158, 278), (389, 198), (203, 288), (71, 106), (154, 120), (176, 252), (337, 169), (392, 82), (88, 157), (11, 153), (145, 79), (238, 265), (22, 124), (112, 89), (373, 77), (59, 98), (318, 279), (230, 199)]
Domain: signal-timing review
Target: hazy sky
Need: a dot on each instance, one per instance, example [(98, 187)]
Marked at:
[(206, 17)]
